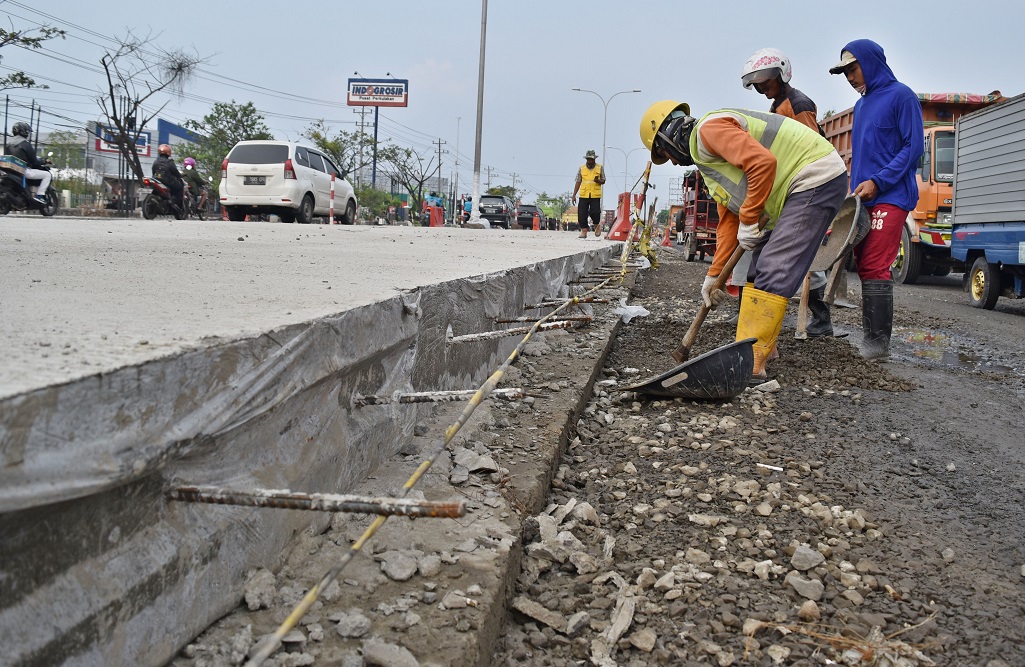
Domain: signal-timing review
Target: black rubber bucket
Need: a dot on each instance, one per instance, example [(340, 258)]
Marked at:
[(721, 373)]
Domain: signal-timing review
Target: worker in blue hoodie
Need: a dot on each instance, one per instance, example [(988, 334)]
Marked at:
[(886, 143)]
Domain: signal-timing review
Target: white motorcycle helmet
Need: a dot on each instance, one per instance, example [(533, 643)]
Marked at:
[(766, 64)]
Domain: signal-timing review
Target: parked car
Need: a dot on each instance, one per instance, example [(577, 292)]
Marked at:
[(525, 215), (286, 179), (499, 210)]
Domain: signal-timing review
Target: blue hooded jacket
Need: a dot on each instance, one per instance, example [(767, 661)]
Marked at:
[(888, 136)]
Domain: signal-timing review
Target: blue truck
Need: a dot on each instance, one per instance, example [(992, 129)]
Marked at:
[(988, 232)]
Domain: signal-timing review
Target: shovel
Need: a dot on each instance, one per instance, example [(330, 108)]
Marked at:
[(719, 374), (681, 353)]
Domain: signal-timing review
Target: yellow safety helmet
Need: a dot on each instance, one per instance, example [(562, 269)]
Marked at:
[(652, 121)]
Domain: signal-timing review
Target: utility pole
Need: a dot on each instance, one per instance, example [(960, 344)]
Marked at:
[(514, 174), (489, 178), (455, 189), (475, 207), (362, 111), (440, 143)]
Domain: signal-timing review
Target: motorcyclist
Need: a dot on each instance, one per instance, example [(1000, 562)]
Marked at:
[(165, 171), (195, 181), (21, 148)]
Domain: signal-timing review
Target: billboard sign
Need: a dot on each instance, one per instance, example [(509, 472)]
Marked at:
[(378, 92), (105, 142)]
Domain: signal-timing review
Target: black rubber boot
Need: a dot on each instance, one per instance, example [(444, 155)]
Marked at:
[(819, 324), (876, 318)]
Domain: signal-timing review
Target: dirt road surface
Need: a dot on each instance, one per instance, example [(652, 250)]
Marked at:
[(862, 513)]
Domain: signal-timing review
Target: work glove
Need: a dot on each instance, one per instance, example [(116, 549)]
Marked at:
[(712, 298), (749, 236)]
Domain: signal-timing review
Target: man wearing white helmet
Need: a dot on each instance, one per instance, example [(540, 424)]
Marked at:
[(769, 71)]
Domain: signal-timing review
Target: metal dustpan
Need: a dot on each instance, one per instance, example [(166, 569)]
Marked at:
[(849, 228), (721, 373)]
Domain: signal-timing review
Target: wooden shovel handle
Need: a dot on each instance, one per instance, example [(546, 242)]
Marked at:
[(683, 351)]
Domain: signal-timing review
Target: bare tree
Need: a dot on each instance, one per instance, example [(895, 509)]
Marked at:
[(344, 148), (409, 168), (27, 40), (134, 76)]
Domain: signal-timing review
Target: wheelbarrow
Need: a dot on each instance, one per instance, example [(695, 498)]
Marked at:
[(720, 373)]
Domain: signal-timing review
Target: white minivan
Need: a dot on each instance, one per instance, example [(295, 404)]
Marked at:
[(285, 179)]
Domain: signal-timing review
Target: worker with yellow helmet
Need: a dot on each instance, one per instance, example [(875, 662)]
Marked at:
[(778, 185)]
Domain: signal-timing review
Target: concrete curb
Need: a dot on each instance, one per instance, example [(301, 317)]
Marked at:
[(465, 568)]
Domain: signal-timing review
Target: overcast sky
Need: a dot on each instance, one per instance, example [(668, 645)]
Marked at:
[(285, 56)]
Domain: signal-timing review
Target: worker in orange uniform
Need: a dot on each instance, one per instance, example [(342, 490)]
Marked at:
[(778, 185), (769, 71), (590, 178)]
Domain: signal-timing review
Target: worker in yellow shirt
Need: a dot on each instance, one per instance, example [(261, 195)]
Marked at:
[(590, 178)]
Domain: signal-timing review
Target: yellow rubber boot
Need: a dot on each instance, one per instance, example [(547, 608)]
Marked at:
[(761, 317)]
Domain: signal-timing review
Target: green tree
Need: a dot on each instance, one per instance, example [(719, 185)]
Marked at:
[(507, 190), (28, 39), (558, 203), (377, 201), (344, 148), (227, 124), (67, 150), (663, 216)]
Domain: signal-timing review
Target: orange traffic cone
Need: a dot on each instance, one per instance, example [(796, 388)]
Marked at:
[(537, 223)]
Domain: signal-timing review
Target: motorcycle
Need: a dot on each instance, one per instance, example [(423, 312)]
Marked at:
[(158, 201), (192, 201), (16, 196)]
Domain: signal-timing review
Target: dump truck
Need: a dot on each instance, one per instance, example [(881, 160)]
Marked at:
[(989, 202), (925, 240)]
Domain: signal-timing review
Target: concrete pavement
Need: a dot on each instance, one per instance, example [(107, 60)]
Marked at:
[(84, 296)]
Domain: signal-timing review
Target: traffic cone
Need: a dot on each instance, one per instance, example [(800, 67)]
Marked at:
[(537, 223)]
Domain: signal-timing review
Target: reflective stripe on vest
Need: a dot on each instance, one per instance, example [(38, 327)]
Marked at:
[(588, 187), (727, 184)]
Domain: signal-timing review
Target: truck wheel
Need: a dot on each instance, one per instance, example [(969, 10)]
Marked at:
[(983, 284), (690, 246), (907, 266)]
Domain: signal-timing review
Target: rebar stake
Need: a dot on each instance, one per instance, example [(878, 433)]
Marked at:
[(433, 396), (531, 318), (515, 331), (321, 502)]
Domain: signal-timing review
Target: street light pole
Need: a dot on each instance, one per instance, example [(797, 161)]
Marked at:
[(605, 118), (626, 161)]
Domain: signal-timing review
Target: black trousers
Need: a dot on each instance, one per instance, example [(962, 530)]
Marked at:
[(589, 209)]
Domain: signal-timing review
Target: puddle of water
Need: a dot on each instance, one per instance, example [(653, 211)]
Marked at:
[(935, 346)]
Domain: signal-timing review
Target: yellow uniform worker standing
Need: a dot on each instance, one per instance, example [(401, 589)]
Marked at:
[(590, 178)]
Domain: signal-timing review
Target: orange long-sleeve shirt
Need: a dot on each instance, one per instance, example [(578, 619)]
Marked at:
[(726, 138)]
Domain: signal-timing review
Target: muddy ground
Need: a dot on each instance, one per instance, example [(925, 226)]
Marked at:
[(861, 513)]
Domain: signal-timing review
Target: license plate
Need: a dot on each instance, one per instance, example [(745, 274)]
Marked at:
[(254, 180)]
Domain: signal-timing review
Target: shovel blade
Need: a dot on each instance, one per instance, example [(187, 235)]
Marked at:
[(721, 373)]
